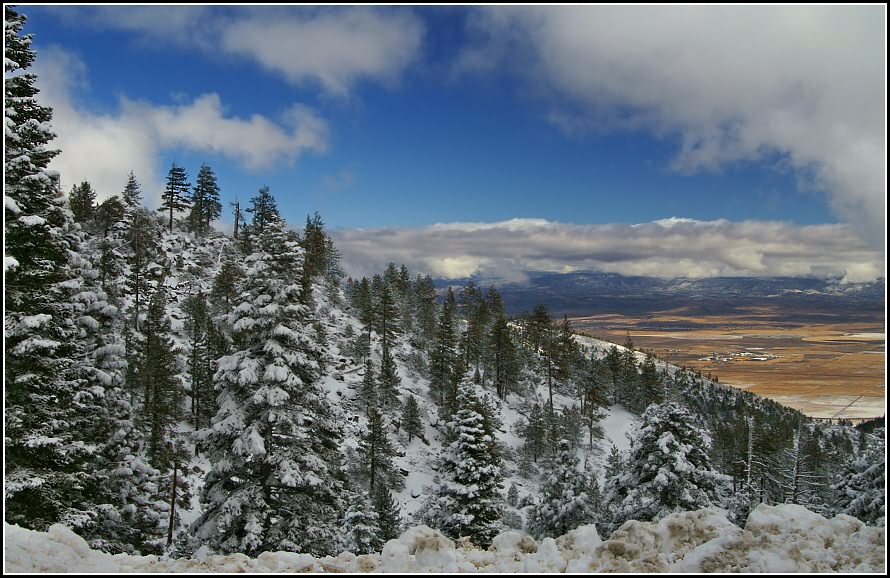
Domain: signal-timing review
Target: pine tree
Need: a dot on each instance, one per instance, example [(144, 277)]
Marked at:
[(51, 396), (142, 247), (376, 452), (109, 213), (82, 202), (668, 469), (132, 194), (534, 433), (468, 499), (368, 394), (503, 358), (564, 504), (206, 205), (264, 209), (159, 376), (361, 527), (176, 194), (651, 390), (276, 481), (411, 420), (513, 495), (225, 286), (388, 394), (424, 299), (443, 360), (389, 517), (861, 486)]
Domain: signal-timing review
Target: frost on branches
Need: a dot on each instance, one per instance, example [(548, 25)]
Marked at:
[(668, 469), (275, 481)]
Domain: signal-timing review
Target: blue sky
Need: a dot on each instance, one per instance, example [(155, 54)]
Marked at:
[(398, 118)]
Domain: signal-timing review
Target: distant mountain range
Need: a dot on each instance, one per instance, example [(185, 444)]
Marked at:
[(584, 293)]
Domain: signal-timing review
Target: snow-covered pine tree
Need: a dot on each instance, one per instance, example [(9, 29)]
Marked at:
[(360, 527), (276, 481), (50, 396), (565, 503), (667, 470), (861, 488), (468, 500)]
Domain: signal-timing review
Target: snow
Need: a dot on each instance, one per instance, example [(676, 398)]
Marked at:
[(784, 538)]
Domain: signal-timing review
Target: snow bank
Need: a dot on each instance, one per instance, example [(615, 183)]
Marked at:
[(776, 539)]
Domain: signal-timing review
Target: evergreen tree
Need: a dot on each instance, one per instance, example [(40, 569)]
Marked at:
[(82, 201), (274, 444), (109, 214), (206, 205), (225, 286), (513, 496), (411, 420), (388, 394), (389, 518), (468, 501), (142, 242), (564, 504), (159, 376), (132, 194), (376, 452), (651, 390), (613, 462), (861, 487), (668, 469), (424, 300), (176, 193), (264, 209), (361, 526), (50, 398), (443, 360), (534, 432), (368, 394), (503, 358), (314, 244)]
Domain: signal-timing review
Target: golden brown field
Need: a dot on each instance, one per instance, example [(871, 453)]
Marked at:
[(823, 364)]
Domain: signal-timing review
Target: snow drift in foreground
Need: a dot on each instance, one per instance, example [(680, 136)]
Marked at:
[(776, 539)]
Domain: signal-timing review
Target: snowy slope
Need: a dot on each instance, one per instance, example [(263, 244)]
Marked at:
[(776, 539)]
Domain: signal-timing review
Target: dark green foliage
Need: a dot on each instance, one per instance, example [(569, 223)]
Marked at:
[(368, 394), (159, 377), (132, 194), (502, 358), (82, 201), (468, 501), (108, 214), (388, 393), (264, 209), (534, 433), (225, 286), (389, 517), (206, 205), (411, 419), (176, 193), (376, 453), (444, 361)]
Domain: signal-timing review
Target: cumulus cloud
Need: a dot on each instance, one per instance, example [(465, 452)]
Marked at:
[(669, 248), (334, 48), (103, 148), (805, 84)]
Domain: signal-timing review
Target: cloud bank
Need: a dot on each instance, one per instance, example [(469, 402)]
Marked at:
[(668, 248), (804, 84), (103, 148)]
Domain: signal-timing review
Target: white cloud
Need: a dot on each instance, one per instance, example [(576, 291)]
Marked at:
[(668, 248), (103, 148), (733, 82), (334, 47)]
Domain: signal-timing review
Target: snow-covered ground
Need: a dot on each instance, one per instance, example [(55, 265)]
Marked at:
[(776, 539)]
